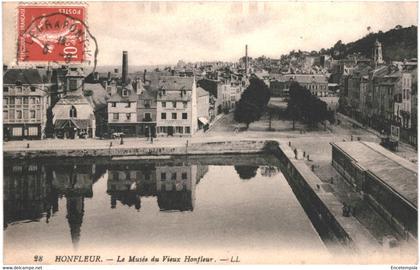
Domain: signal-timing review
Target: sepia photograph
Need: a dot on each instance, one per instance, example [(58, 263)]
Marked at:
[(209, 133)]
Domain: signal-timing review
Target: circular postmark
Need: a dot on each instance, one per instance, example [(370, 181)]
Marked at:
[(55, 34)]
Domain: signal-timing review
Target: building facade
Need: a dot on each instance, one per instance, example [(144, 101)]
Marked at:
[(25, 103), (176, 108), (122, 111)]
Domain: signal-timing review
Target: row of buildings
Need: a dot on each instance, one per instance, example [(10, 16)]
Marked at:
[(63, 102), (381, 94)]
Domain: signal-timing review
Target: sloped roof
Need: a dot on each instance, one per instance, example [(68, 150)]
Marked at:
[(173, 96), (25, 76), (176, 83), (209, 86), (201, 92), (117, 97), (72, 98), (301, 78), (99, 96)]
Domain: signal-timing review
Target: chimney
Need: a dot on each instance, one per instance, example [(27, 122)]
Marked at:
[(144, 76), (124, 67), (246, 60), (109, 76)]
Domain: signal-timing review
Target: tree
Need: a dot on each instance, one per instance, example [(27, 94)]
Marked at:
[(246, 172), (253, 102), (303, 105)]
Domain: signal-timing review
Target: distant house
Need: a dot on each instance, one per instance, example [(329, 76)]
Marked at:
[(25, 103), (317, 84)]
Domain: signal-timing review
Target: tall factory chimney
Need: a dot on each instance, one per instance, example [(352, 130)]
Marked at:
[(246, 60), (125, 67)]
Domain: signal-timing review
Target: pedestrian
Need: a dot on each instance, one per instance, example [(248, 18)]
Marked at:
[(151, 139)]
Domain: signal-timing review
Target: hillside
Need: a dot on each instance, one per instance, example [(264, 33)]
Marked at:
[(397, 44)]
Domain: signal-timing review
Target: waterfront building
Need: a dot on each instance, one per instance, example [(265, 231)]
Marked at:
[(176, 107), (146, 112), (25, 103), (388, 182), (122, 111), (73, 114)]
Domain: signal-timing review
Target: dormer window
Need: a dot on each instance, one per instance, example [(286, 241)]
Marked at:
[(125, 93), (73, 112)]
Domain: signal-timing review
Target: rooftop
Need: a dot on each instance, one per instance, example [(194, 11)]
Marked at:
[(24, 76), (396, 172), (176, 83)]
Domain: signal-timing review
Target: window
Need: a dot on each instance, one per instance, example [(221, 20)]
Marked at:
[(5, 89), (114, 104), (174, 104), (25, 114), (184, 176), (6, 101), (184, 115), (147, 103), (6, 114), (124, 92), (128, 105), (163, 176), (128, 116), (185, 104), (179, 130), (32, 100), (73, 84), (115, 116), (174, 115), (18, 114), (37, 100), (33, 131), (163, 115), (163, 104), (173, 176), (18, 101), (17, 131), (25, 100), (33, 88), (73, 112), (19, 89), (147, 117), (187, 130), (33, 114)]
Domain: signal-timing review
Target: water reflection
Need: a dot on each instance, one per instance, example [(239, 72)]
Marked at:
[(32, 190)]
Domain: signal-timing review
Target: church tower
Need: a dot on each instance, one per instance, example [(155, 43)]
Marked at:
[(377, 54)]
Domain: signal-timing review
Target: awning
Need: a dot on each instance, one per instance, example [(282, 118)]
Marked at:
[(78, 123), (203, 120)]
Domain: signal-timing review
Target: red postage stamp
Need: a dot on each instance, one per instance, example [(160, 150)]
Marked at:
[(51, 33)]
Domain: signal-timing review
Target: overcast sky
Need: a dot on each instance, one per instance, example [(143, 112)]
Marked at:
[(162, 33)]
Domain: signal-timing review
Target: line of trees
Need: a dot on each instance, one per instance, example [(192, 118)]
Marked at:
[(253, 102), (302, 105)]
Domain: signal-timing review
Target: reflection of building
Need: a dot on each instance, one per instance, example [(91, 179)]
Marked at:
[(127, 182), (26, 192), (175, 186)]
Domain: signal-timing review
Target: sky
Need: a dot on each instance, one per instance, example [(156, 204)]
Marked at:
[(163, 32)]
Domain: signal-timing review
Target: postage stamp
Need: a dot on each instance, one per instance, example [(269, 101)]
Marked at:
[(51, 33)]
